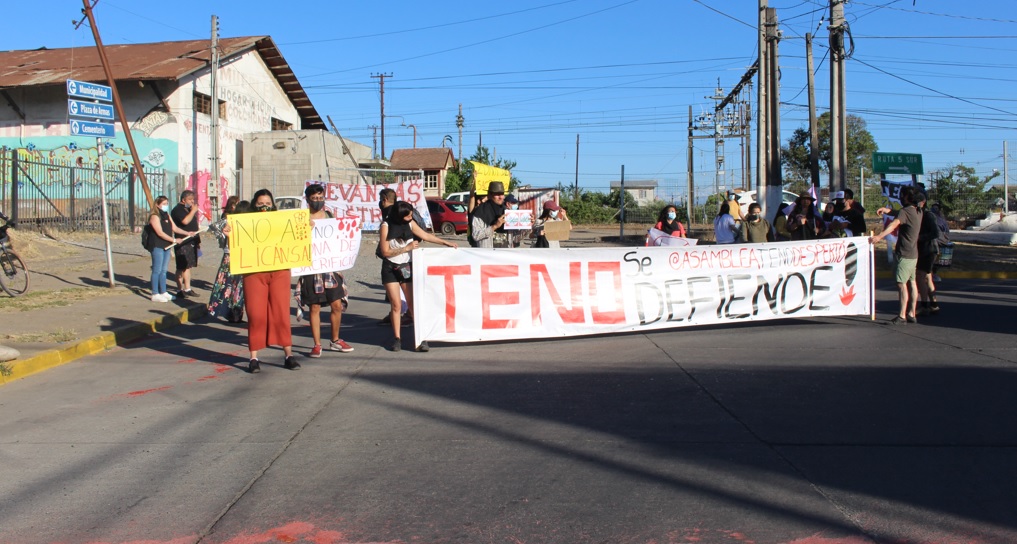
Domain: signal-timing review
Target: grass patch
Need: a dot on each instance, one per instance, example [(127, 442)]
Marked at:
[(59, 336), (6, 370), (34, 300)]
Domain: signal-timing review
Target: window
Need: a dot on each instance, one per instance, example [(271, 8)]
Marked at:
[(279, 124), (430, 179), (203, 104)]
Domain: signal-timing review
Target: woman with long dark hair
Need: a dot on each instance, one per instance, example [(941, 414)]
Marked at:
[(267, 302), (667, 221), (725, 229), (227, 298), (395, 242)]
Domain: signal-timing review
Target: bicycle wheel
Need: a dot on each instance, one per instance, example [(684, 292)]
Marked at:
[(13, 274)]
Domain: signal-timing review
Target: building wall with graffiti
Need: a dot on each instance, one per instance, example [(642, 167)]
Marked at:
[(174, 141)]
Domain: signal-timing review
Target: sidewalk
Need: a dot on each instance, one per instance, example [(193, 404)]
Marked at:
[(70, 311)]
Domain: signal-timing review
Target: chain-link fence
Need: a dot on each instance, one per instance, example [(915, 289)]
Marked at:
[(37, 193)]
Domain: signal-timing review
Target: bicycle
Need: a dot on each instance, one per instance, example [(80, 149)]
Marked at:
[(14, 278)]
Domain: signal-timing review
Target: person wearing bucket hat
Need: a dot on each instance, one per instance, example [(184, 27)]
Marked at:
[(489, 217)]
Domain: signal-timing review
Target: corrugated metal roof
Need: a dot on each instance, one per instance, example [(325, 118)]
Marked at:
[(429, 158), (146, 62)]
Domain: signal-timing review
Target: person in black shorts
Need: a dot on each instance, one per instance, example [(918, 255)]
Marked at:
[(185, 216)]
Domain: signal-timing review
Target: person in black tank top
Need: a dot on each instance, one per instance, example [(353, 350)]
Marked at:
[(395, 242)]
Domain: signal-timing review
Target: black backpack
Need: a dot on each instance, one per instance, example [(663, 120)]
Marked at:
[(146, 235)]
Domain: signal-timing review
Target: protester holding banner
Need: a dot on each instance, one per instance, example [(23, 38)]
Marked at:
[(755, 229), (667, 221), (804, 222), (725, 229), (928, 253), (185, 215), (325, 288), (227, 298), (161, 230), (267, 301), (907, 223), (395, 242)]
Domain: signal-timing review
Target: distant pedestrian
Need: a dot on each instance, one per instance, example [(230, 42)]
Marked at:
[(908, 222), (552, 212), (161, 236), (227, 298), (185, 215)]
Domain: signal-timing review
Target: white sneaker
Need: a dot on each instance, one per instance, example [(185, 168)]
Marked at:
[(166, 297), (158, 298)]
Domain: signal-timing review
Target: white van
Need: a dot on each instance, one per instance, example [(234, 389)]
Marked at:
[(459, 197)]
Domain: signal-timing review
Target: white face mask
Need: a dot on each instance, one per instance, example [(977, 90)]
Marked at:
[(514, 206), (164, 208), (554, 214)]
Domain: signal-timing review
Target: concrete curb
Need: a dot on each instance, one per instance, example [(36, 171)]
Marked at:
[(20, 368)]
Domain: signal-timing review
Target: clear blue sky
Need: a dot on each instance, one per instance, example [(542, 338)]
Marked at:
[(929, 76)]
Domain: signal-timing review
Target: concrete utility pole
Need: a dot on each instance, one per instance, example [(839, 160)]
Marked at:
[(381, 84), (1006, 182), (762, 114), (374, 141), (689, 165), (813, 125), (116, 102), (575, 193), (774, 178), (214, 185), (838, 120)]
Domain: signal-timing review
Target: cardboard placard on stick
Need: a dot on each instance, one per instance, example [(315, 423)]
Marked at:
[(557, 230)]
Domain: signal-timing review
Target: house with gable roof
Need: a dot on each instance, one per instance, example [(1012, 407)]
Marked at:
[(165, 89), (435, 163)]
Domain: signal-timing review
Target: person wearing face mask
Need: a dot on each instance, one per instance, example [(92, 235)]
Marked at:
[(488, 219), (326, 289), (267, 302), (755, 229), (185, 215), (667, 222), (515, 236), (162, 228), (552, 212)]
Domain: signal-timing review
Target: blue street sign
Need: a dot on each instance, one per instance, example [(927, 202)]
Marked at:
[(83, 89), (88, 128), (91, 110)]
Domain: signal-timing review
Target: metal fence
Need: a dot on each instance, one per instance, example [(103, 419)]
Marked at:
[(36, 193)]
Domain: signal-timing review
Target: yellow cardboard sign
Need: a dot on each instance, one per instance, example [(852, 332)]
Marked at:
[(266, 241), (483, 175)]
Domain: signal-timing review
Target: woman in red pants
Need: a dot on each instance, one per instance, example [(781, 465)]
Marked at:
[(267, 301)]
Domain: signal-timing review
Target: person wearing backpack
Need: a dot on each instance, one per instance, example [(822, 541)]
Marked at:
[(157, 237), (928, 253)]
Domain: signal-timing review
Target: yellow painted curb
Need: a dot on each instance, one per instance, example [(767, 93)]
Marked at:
[(20, 368)]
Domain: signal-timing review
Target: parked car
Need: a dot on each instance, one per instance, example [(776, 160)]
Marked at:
[(459, 197), (289, 202), (447, 216)]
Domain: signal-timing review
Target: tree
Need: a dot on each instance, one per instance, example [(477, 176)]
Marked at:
[(961, 193), (860, 146)]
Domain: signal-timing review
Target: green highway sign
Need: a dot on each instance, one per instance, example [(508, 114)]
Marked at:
[(897, 163)]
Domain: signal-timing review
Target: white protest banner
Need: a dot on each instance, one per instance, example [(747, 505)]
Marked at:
[(335, 244), (518, 219), (657, 237), (359, 200), (469, 295)]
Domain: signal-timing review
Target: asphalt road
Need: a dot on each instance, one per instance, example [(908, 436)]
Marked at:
[(822, 431)]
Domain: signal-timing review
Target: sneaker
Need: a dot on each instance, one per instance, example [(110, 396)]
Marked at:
[(190, 293), (934, 309), (254, 367), (897, 320), (912, 319), (387, 320), (168, 297), (291, 363), (397, 344), (924, 310), (423, 347), (315, 351), (340, 345), (406, 320), (159, 298)]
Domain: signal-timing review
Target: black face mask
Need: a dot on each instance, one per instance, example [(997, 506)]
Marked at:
[(264, 208), (316, 205), (751, 217)]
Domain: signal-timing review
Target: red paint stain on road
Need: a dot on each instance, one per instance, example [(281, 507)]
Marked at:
[(147, 391), (222, 368), (819, 539), (296, 531)]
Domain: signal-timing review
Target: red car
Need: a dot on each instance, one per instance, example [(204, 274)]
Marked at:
[(447, 216)]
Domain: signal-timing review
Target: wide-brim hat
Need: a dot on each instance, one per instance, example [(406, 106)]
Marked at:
[(805, 194), (496, 188)]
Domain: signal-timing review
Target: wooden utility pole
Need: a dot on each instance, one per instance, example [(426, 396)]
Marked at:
[(774, 176), (117, 103), (689, 164), (381, 84), (813, 125), (575, 193), (214, 185)]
